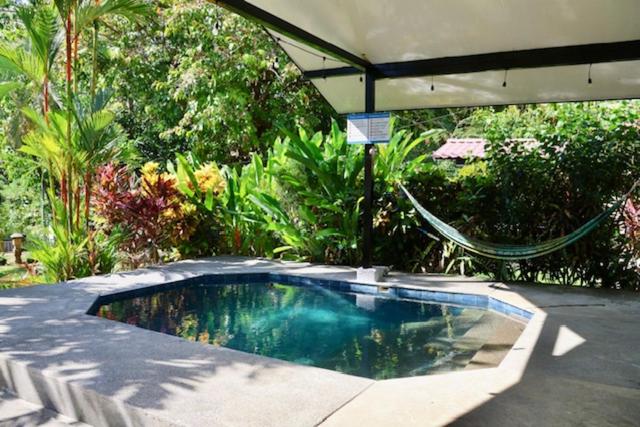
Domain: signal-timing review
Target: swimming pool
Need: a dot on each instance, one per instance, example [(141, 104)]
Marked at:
[(355, 329)]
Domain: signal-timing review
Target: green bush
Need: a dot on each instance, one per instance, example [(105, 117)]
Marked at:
[(588, 156), (302, 201)]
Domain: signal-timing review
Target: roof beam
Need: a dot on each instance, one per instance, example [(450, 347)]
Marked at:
[(275, 23), (532, 58)]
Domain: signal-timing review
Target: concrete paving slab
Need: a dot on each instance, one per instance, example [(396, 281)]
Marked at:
[(589, 376), (576, 362)]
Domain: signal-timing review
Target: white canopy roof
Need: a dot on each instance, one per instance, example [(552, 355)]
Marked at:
[(437, 53)]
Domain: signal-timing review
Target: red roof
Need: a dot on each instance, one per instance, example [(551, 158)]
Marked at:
[(461, 148)]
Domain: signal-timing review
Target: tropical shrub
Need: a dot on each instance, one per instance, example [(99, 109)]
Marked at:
[(63, 258), (300, 203), (316, 208), (632, 228), (303, 201), (587, 157), (147, 210), (245, 232), (159, 212), (200, 185)]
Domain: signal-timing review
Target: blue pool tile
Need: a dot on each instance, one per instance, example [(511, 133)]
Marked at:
[(476, 301)]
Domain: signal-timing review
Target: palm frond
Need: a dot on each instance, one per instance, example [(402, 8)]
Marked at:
[(8, 87), (44, 29), (16, 60), (136, 11)]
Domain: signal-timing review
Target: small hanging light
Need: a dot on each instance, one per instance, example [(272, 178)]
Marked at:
[(324, 62), (590, 80), (504, 82), (433, 86), (361, 79)]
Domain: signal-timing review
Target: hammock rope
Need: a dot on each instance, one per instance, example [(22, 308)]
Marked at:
[(510, 252)]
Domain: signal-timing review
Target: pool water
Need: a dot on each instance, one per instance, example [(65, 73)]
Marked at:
[(365, 335)]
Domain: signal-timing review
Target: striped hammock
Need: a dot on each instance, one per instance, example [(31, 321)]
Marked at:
[(505, 251)]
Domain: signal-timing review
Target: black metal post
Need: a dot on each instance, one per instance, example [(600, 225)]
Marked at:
[(367, 218)]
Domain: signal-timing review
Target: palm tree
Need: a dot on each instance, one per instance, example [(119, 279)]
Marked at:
[(35, 58), (91, 13), (79, 16), (68, 141), (99, 138), (94, 141)]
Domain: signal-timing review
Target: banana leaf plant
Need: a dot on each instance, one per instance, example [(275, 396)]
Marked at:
[(316, 212)]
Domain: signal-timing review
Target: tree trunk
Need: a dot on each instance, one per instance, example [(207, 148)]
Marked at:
[(88, 183), (45, 95), (94, 65), (69, 57)]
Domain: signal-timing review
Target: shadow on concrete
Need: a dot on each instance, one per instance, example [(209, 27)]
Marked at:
[(15, 412), (109, 373), (584, 369)]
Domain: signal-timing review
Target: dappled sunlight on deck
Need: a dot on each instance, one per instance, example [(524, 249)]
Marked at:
[(572, 351)]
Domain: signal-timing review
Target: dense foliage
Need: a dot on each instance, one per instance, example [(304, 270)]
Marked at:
[(206, 81), (585, 158), (98, 98), (150, 214), (303, 200)]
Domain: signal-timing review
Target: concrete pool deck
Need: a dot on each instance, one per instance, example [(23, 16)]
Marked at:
[(576, 363)]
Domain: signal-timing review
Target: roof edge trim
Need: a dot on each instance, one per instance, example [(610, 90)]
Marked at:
[(517, 59), (275, 23)]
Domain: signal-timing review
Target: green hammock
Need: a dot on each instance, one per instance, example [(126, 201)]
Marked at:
[(505, 251)]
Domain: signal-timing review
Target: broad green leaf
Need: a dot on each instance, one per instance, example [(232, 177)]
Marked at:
[(208, 203), (8, 87)]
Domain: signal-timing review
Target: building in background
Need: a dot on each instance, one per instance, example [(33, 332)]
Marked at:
[(459, 150)]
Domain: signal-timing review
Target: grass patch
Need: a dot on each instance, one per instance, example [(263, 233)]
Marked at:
[(15, 276), (12, 276)]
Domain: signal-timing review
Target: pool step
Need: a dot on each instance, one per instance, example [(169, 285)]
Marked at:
[(497, 347), (487, 340), (468, 326)]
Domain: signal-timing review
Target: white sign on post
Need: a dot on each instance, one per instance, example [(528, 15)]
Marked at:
[(368, 128)]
